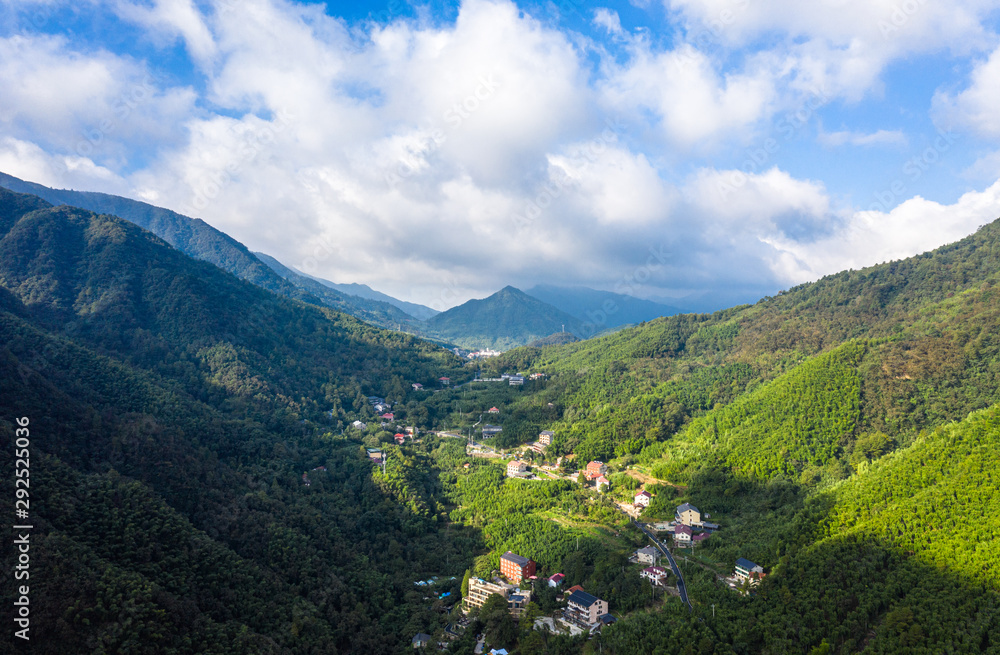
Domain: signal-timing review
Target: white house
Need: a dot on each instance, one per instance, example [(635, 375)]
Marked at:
[(655, 574), (642, 498)]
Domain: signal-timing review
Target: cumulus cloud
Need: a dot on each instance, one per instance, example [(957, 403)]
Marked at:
[(440, 160), (870, 237), (975, 107)]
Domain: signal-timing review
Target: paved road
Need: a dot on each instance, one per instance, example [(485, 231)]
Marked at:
[(681, 587)]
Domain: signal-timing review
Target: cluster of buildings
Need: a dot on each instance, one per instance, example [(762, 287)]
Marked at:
[(582, 609), (544, 441), (687, 528), (597, 472)]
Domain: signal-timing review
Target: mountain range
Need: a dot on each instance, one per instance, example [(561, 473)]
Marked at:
[(504, 320), (198, 482)]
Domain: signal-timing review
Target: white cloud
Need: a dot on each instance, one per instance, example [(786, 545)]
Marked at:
[(170, 19), (609, 20), (695, 105), (870, 237), (974, 108), (89, 104), (29, 162), (848, 137), (838, 47)]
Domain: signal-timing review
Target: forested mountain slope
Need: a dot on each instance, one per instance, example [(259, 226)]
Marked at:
[(198, 239), (504, 320), (173, 411)]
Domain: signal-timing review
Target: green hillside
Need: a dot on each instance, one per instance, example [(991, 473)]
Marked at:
[(198, 239), (174, 410)]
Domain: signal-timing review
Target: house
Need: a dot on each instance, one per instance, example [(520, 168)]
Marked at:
[(498, 651), (444, 381), (382, 407), (545, 437), (537, 376), (710, 526), (647, 555), (596, 469), (556, 580), (516, 468), (515, 380), (388, 416), (569, 592), (491, 430), (747, 570), (412, 431), (642, 498), (359, 425), (417, 386), (603, 483), (687, 514), (400, 439), (656, 575), (480, 590), (374, 454), (682, 535), (420, 640), (584, 610), (606, 619), (700, 537), (515, 567), (494, 410)]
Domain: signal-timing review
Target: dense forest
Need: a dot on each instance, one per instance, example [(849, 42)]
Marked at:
[(198, 484)]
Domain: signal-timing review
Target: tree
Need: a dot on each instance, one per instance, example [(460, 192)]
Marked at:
[(465, 582)]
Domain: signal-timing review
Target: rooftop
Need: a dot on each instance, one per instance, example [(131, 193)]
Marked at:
[(582, 598), (744, 563), (517, 559)]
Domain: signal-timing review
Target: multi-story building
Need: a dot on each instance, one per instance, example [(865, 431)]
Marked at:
[(545, 437), (596, 469), (480, 590), (647, 555), (682, 535), (516, 468), (747, 570), (515, 567), (584, 610), (687, 514)]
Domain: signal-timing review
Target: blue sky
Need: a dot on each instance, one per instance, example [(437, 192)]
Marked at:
[(439, 151)]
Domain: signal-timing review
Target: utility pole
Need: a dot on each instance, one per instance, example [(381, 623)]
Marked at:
[(713, 610)]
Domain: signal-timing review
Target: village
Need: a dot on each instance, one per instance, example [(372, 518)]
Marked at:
[(519, 578)]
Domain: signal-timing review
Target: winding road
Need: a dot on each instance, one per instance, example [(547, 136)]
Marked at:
[(681, 587)]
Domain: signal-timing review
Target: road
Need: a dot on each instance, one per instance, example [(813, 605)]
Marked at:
[(681, 587)]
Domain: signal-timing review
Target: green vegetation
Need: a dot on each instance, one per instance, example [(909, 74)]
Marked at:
[(845, 434)]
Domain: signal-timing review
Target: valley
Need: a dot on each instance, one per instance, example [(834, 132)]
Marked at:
[(230, 470)]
